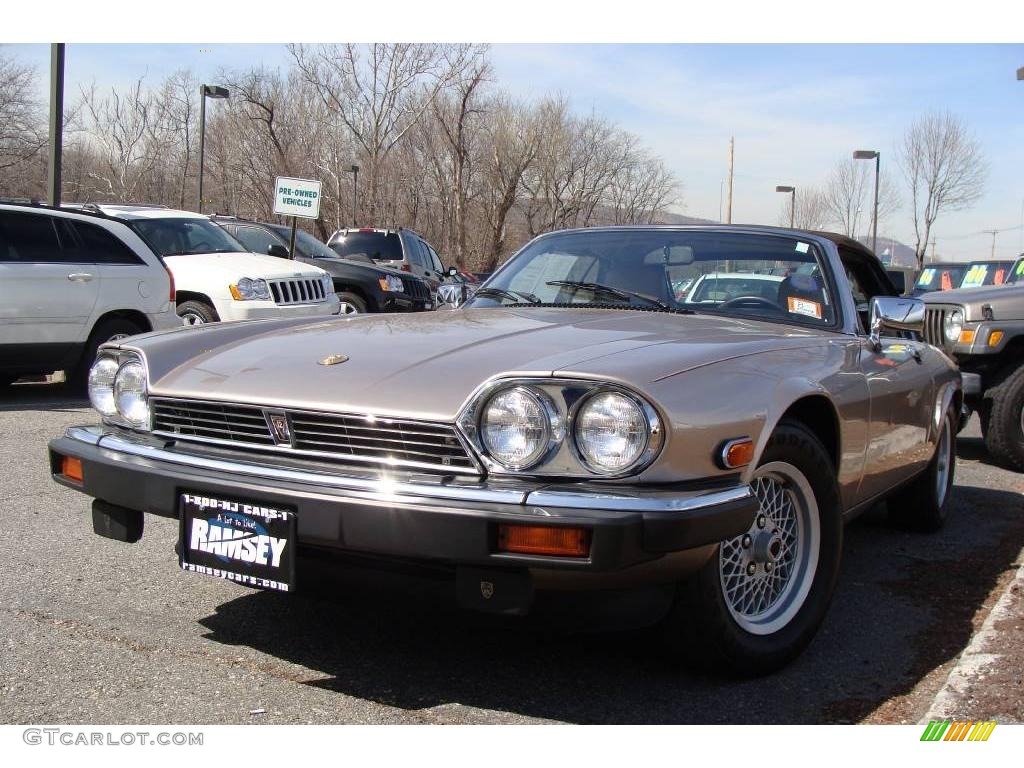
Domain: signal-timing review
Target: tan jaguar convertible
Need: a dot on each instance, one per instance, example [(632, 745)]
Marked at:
[(577, 425)]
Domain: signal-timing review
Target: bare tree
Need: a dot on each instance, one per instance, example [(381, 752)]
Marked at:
[(812, 210), (22, 121), (850, 196), (945, 169)]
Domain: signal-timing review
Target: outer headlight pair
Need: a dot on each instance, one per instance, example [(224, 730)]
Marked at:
[(120, 391), (611, 431), (391, 283), (952, 324), (248, 289)]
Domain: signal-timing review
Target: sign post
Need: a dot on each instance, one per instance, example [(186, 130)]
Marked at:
[(296, 198)]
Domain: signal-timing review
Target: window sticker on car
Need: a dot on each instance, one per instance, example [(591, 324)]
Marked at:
[(1020, 267), (975, 276), (802, 247), (804, 307), (1000, 277), (926, 277)]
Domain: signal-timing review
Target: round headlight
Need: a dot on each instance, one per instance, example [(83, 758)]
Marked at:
[(612, 432), (101, 385), (130, 394), (953, 324), (516, 428)]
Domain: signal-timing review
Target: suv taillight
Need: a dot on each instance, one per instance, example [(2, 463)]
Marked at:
[(170, 276)]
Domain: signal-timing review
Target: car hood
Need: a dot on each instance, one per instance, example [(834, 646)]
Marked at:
[(239, 264), (427, 365), (340, 266), (986, 294)]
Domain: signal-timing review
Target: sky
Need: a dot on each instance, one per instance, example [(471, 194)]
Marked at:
[(794, 110)]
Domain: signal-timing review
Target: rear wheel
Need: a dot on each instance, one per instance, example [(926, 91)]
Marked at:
[(1004, 430), (351, 303), (196, 313), (922, 504), (759, 600), (112, 329)]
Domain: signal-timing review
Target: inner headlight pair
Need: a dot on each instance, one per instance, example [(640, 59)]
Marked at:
[(611, 431), (248, 289), (953, 324), (120, 391)]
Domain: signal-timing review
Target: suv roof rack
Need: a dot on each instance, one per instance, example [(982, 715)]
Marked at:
[(31, 202)]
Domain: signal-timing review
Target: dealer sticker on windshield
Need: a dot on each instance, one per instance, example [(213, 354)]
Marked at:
[(249, 543), (805, 307)]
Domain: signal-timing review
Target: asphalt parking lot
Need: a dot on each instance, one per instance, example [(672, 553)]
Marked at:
[(95, 631)]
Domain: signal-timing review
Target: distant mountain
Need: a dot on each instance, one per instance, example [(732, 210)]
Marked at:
[(892, 251)]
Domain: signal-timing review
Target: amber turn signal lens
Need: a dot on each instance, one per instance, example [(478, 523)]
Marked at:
[(544, 540), (994, 338), (737, 453), (966, 336), (71, 468)]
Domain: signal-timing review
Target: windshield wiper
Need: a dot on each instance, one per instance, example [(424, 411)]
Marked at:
[(508, 294), (608, 290)]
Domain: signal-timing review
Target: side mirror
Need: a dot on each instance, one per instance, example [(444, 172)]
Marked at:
[(890, 314), (899, 280), (277, 250), (452, 271), (450, 296)]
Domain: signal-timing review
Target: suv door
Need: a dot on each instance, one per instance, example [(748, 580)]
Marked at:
[(47, 291)]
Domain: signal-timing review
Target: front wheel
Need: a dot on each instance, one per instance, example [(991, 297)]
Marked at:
[(351, 303), (1004, 425), (922, 504), (758, 601), (196, 313)]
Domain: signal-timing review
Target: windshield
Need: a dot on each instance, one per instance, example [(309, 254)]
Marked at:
[(174, 237), (379, 246), (308, 247), (774, 277), (940, 278), (985, 273), (1017, 273)]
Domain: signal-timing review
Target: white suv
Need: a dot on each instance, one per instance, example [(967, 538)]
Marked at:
[(70, 281), (216, 278)]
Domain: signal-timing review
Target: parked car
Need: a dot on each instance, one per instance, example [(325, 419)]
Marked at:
[(458, 287), (400, 249), (361, 286), (982, 273), (216, 277), (69, 282), (944, 276), (572, 427), (903, 278), (983, 330)]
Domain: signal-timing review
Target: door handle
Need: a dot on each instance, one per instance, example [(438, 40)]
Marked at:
[(80, 277)]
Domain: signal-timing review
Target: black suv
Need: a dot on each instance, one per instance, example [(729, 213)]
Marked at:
[(400, 248), (361, 285)]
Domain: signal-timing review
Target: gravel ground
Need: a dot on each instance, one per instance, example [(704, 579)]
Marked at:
[(96, 631)]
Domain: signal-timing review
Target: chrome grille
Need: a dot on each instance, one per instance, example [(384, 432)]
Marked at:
[(297, 291), (415, 288), (933, 320), (346, 438)]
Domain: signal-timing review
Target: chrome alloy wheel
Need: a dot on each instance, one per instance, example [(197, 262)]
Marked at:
[(348, 309), (192, 318), (943, 462), (767, 572)]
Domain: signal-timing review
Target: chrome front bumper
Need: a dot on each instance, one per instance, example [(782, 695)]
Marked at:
[(427, 517)]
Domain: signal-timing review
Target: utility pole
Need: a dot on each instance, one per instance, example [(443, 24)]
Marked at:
[(56, 121), (933, 249), (728, 205), (992, 232)]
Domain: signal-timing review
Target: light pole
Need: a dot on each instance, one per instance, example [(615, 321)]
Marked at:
[(354, 170), (870, 154), (212, 92), (792, 202)]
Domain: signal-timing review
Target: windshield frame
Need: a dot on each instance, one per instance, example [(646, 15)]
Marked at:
[(821, 249)]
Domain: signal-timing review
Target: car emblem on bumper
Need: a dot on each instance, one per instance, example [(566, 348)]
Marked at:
[(487, 589), (333, 359)]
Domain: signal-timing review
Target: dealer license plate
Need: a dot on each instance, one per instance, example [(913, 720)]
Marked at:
[(246, 542)]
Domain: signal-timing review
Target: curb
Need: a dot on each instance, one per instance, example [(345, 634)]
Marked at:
[(974, 659)]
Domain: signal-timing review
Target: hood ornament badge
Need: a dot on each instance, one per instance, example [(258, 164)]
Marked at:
[(333, 360)]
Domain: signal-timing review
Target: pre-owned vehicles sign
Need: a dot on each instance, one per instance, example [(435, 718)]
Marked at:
[(297, 197)]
